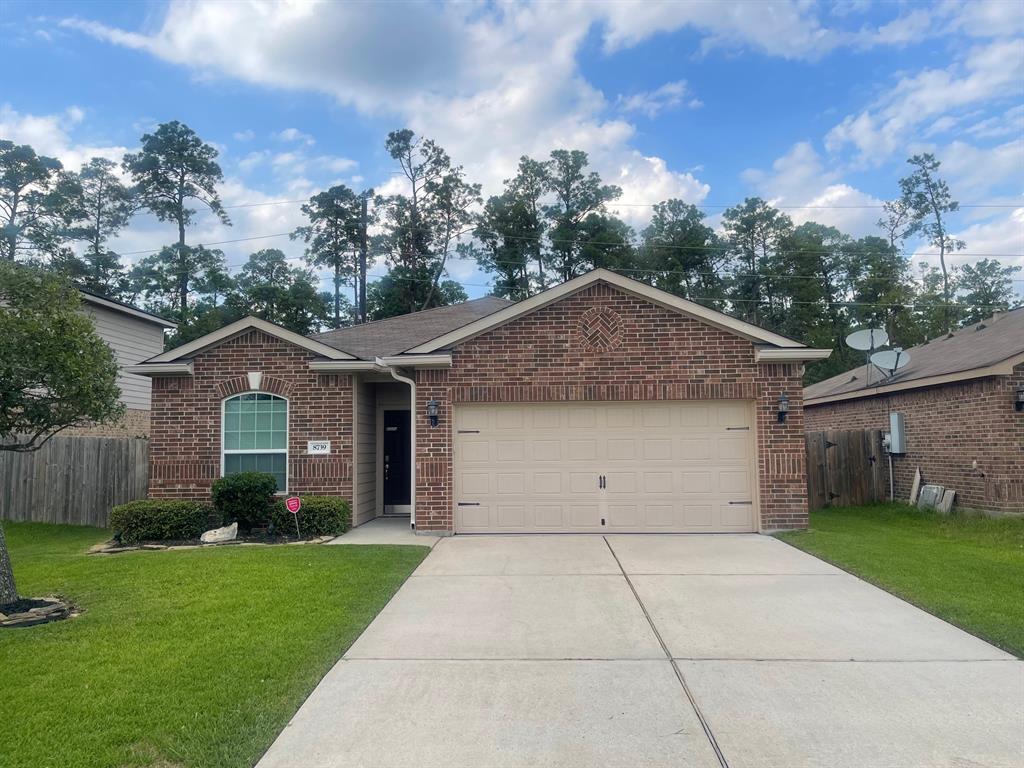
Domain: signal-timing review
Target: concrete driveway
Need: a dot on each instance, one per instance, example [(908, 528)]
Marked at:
[(729, 650)]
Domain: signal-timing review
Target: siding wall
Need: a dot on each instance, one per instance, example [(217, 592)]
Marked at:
[(366, 453), (133, 341)]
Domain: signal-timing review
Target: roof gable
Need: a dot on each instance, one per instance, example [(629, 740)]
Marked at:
[(642, 290), (228, 332)]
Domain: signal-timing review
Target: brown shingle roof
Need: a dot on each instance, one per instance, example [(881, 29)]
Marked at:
[(397, 334), (975, 347)]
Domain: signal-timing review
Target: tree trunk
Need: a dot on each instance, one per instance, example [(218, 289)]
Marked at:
[(363, 222), (337, 291), (8, 593)]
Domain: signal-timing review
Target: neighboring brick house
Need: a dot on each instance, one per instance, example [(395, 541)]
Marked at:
[(958, 397), (599, 405), (134, 335)]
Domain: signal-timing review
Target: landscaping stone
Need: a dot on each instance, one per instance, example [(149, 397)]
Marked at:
[(32, 611), (227, 533)]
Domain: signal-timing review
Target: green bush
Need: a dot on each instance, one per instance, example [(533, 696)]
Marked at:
[(158, 519), (319, 516), (244, 498)]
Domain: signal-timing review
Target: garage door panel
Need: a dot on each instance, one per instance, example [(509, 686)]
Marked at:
[(668, 467), (657, 449)]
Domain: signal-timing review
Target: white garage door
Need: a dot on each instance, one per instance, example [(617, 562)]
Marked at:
[(599, 467)]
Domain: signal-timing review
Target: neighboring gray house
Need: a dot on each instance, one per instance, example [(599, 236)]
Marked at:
[(134, 335)]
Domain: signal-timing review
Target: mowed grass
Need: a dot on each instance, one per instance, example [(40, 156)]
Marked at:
[(189, 658), (968, 570)]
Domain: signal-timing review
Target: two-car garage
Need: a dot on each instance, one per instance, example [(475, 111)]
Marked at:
[(652, 466)]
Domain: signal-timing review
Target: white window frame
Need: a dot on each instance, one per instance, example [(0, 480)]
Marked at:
[(287, 435)]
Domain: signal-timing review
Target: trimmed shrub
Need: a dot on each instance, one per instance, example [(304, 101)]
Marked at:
[(159, 519), (244, 498), (318, 516)]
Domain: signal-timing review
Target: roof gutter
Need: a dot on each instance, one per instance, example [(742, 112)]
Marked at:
[(412, 436), (789, 354), (160, 369)]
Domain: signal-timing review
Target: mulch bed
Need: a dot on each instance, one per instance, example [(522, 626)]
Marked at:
[(114, 546)]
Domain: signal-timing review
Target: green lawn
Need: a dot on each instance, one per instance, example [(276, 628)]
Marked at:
[(190, 658), (968, 570)]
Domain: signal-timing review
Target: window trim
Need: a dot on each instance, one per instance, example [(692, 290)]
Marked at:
[(240, 451)]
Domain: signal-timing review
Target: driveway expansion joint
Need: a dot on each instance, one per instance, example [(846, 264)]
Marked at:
[(675, 668)]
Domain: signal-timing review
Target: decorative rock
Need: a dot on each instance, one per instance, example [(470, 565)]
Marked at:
[(103, 546), (227, 533), (154, 546)]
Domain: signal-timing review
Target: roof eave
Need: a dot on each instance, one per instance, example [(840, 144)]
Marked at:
[(1002, 368)]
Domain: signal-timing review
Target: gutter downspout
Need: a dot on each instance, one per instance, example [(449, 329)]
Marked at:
[(412, 436)]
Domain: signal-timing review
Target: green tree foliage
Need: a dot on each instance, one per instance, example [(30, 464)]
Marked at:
[(269, 288), (37, 205), (389, 296), (578, 195), (55, 370), (105, 206), (421, 226), (333, 237), (173, 170), (181, 281), (927, 200), (683, 254), (986, 287), (754, 232)]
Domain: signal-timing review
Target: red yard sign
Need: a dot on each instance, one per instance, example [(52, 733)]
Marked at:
[(293, 504)]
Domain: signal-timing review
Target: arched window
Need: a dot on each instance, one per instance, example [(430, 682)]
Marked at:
[(255, 436)]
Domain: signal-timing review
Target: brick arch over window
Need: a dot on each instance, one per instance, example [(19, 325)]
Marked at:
[(238, 384)]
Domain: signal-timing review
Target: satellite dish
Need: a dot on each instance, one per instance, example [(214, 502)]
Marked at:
[(891, 360), (867, 339)]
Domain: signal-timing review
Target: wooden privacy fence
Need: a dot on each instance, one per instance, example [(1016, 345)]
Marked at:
[(846, 468), (73, 480)]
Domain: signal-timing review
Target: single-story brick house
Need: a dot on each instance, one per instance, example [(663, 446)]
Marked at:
[(962, 398), (599, 405)]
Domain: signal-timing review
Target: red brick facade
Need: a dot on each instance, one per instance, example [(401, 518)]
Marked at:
[(948, 428), (600, 344), (185, 425), (651, 353)]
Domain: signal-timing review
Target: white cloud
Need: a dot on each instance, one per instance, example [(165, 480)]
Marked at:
[(652, 103), (295, 135), (800, 182), (987, 72), (49, 135), (1001, 237), (973, 172), (246, 135)]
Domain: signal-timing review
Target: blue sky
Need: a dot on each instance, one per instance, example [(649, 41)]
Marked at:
[(814, 106)]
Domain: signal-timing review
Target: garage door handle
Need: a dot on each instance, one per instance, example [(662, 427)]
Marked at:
[(743, 503), (469, 503), (737, 429)]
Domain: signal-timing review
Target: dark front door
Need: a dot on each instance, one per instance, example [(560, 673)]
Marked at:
[(396, 459)]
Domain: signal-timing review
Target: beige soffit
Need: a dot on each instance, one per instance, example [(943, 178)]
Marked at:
[(789, 354), (1003, 368), (117, 306), (228, 331), (161, 369), (656, 295)]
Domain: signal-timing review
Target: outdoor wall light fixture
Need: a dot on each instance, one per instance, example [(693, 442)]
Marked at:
[(783, 407), (433, 408), (1018, 404)]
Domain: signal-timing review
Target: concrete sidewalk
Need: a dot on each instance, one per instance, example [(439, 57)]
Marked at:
[(720, 650)]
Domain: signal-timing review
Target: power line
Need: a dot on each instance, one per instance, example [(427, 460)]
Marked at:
[(614, 204), (541, 238)]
